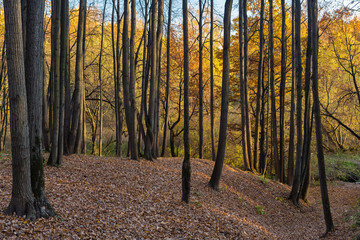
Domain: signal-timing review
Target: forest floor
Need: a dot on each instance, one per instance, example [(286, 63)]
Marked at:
[(109, 198)]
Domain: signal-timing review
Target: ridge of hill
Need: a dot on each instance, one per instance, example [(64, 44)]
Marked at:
[(109, 198)]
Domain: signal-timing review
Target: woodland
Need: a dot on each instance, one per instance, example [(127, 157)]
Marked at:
[(199, 119)]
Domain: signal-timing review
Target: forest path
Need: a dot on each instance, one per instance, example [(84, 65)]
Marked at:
[(109, 198)]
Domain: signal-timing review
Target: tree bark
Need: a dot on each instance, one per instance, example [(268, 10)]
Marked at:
[(201, 125), (259, 86), (168, 45), (215, 177), (319, 142), (212, 80), (290, 173), (22, 200), (55, 81), (34, 92), (100, 80), (274, 140), (76, 133), (282, 92), (298, 77), (246, 159), (186, 168)]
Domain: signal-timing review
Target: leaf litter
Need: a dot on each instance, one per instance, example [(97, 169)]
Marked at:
[(112, 198)]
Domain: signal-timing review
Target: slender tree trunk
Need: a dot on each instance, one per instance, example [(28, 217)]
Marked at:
[(274, 141), (100, 81), (282, 92), (291, 156), (55, 81), (212, 80), (63, 75), (305, 158), (215, 177), (149, 141), (259, 86), (67, 88), (159, 35), (319, 142), (128, 77), (201, 127), (133, 140), (168, 42), (116, 85), (186, 168), (242, 91), (76, 133), (246, 95), (298, 77)]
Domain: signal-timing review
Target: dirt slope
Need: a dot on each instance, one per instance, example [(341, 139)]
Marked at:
[(108, 198)]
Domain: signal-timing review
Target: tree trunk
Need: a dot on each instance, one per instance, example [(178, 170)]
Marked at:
[(292, 107), (34, 92), (100, 81), (274, 141), (212, 80), (149, 141), (201, 127), (76, 133), (320, 153), (259, 86), (186, 168), (242, 91), (298, 76), (282, 92), (246, 95), (55, 81), (132, 96), (22, 201), (129, 93), (215, 177), (168, 44)]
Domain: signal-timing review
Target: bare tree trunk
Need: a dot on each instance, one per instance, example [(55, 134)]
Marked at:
[(133, 140), (100, 81), (22, 201), (201, 125), (246, 95), (282, 92), (64, 75), (76, 133), (67, 88), (55, 81), (215, 177), (168, 45), (320, 153), (129, 78), (144, 82), (274, 141), (34, 92), (186, 168), (242, 91), (259, 86), (212, 80), (116, 82), (298, 76), (292, 107), (159, 35), (305, 158), (149, 141)]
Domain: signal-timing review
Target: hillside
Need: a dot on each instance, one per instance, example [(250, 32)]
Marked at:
[(109, 198)]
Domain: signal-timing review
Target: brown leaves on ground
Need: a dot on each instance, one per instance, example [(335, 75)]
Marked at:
[(109, 198)]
